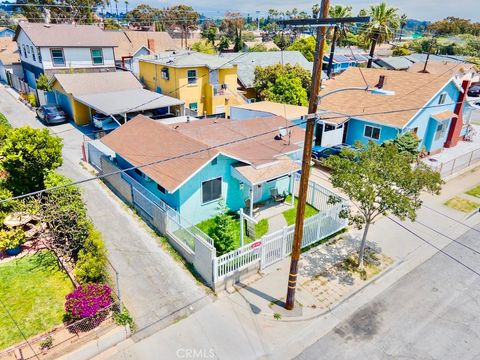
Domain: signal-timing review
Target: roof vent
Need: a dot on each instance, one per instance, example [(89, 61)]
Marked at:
[(381, 81)]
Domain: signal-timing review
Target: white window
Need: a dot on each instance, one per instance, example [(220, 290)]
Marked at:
[(58, 59), (211, 190), (192, 76), (441, 129), (372, 132), (97, 56), (442, 98)]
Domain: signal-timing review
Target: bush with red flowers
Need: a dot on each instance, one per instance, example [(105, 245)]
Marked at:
[(88, 300)]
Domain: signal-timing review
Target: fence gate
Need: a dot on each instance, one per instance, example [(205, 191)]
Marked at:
[(273, 248)]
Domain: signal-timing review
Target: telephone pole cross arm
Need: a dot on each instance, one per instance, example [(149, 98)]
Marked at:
[(309, 132)]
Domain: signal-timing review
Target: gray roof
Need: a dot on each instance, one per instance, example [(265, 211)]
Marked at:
[(394, 62), (65, 35), (247, 62), (120, 102), (423, 57), (186, 58)]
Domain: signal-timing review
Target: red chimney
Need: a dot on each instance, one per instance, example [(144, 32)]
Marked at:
[(457, 122), (151, 45)]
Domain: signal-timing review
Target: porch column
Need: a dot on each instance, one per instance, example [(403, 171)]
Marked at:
[(251, 200)]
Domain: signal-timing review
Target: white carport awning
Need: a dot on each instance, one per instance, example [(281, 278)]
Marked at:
[(126, 101)]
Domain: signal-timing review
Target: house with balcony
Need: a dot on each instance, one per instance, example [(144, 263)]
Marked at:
[(206, 83), (429, 105), (63, 48), (199, 170)]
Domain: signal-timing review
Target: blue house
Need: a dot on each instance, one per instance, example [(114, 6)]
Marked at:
[(6, 32), (340, 63), (425, 104), (198, 171)]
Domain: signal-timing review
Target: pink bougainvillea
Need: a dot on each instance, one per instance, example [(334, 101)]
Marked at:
[(87, 300)]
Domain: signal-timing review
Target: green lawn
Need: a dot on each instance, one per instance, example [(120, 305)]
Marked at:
[(290, 214), (33, 289), (461, 204), (475, 191), (261, 229)]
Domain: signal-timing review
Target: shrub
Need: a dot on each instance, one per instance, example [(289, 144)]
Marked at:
[(8, 205), (27, 155), (32, 100), (43, 83), (4, 127), (10, 239), (87, 300), (124, 318), (92, 259), (223, 231), (46, 343)]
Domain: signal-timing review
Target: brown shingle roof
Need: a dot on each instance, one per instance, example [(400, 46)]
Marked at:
[(94, 83), (283, 166), (412, 91), (129, 41), (143, 140), (66, 35), (438, 68), (444, 115), (9, 51)]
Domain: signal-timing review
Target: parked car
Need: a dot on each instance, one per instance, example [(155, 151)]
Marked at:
[(98, 120), (319, 152), (51, 114), (474, 90)]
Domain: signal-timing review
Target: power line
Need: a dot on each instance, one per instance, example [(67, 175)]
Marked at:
[(158, 161)]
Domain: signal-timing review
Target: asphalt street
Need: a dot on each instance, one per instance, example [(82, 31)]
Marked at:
[(431, 313)]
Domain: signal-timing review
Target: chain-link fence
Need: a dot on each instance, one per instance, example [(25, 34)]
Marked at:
[(63, 338)]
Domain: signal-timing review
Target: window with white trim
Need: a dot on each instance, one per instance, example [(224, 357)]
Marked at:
[(192, 76), (211, 190), (441, 130), (58, 59), (97, 56), (33, 53), (371, 132), (442, 98)]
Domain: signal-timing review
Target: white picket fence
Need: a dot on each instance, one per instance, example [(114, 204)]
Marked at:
[(275, 246)]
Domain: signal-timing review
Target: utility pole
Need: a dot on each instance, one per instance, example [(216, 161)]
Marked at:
[(428, 54), (309, 133), (307, 156)]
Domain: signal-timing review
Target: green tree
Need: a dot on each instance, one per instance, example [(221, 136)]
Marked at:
[(203, 47), (43, 83), (4, 128), (232, 26), (65, 214), (407, 144), (80, 11), (223, 44), (266, 76), (257, 48), (209, 32), (110, 24), (282, 41), (400, 51), (28, 154), (223, 231), (184, 17), (381, 28), (452, 25), (306, 45), (287, 89), (380, 181), (144, 15), (403, 23)]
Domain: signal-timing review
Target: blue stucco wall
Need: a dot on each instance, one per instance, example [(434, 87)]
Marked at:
[(188, 199), (356, 130), (427, 125)]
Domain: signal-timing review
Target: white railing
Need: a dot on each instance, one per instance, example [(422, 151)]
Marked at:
[(317, 195), (237, 260), (455, 165)]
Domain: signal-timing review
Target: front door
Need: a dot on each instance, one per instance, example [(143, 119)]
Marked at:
[(257, 193)]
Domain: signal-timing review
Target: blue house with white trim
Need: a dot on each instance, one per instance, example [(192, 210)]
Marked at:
[(6, 32), (195, 171), (424, 104)]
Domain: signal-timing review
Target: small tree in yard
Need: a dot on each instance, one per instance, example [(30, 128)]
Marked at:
[(380, 180), (43, 83), (27, 155), (407, 144), (223, 231)]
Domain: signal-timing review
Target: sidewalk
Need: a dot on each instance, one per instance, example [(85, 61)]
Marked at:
[(240, 325)]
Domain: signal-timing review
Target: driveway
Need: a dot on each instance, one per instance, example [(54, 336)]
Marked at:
[(155, 289)]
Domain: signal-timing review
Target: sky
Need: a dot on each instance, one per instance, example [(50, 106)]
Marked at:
[(415, 9)]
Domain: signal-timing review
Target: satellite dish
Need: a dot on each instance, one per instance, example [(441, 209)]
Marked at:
[(282, 132)]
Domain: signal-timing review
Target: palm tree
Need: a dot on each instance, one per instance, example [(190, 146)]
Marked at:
[(403, 22), (381, 28), (337, 11), (126, 7), (315, 11), (116, 7)]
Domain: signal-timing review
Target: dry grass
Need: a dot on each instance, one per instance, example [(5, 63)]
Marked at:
[(462, 204)]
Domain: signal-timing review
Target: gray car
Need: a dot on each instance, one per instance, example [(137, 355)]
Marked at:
[(51, 114)]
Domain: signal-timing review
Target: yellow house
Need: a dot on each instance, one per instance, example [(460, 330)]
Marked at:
[(206, 83)]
